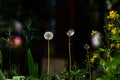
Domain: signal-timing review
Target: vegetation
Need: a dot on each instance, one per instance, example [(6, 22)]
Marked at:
[(102, 63)]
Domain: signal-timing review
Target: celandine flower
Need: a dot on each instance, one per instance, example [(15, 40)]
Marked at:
[(112, 45), (114, 31), (93, 32), (112, 15), (110, 25), (93, 58), (117, 45), (95, 55), (48, 35), (70, 32)]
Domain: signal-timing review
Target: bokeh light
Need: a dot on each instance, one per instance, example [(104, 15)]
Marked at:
[(17, 26), (17, 41), (95, 40)]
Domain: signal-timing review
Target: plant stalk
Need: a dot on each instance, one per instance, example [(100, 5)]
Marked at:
[(48, 70), (69, 57), (89, 65)]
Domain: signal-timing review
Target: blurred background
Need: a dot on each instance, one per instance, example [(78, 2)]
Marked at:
[(57, 16)]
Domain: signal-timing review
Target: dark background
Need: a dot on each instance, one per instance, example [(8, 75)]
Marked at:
[(80, 15)]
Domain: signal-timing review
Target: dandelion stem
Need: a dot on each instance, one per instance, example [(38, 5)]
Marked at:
[(48, 71), (89, 65), (69, 57)]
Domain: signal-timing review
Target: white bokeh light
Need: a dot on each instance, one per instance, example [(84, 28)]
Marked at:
[(95, 40), (17, 26)]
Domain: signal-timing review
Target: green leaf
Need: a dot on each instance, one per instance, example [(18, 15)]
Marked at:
[(99, 79), (0, 58), (43, 75), (30, 62), (118, 31), (115, 38), (32, 78), (72, 73), (114, 62), (107, 77), (117, 16), (101, 49), (81, 72), (2, 77), (32, 67), (35, 70), (57, 77)]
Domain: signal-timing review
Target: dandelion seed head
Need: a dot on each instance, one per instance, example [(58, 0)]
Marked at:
[(48, 35), (86, 46), (70, 33)]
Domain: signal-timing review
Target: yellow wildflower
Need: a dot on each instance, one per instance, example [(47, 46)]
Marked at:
[(92, 60), (112, 15), (112, 45), (95, 55), (109, 26), (93, 32), (117, 45), (113, 31)]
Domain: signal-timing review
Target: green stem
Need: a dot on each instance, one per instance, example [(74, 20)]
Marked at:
[(48, 70), (107, 38), (109, 55), (69, 56), (89, 65), (118, 20), (102, 43)]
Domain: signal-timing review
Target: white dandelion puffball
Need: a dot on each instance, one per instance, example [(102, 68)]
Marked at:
[(86, 46), (48, 35), (95, 40), (70, 32)]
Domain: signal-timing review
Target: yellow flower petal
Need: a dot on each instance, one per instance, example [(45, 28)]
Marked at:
[(92, 60), (113, 31), (93, 32), (112, 15), (109, 26), (112, 45), (117, 45), (95, 55)]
